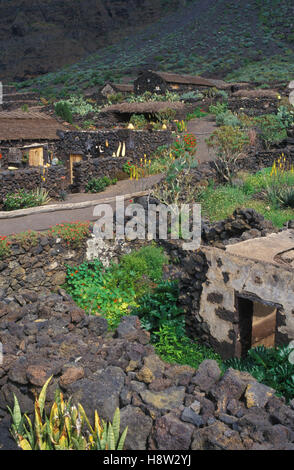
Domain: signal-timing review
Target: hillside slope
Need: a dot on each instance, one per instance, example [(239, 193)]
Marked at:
[(244, 40), (40, 36)]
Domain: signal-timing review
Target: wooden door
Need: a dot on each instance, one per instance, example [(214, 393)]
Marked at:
[(36, 157), (73, 159)]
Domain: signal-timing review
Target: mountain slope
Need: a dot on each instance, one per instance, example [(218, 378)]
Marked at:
[(237, 40), (39, 36)]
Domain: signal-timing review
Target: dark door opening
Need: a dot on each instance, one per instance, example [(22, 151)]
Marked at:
[(257, 324)]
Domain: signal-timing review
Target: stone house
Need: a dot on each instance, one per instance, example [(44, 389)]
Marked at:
[(247, 297), (27, 138), (160, 82)]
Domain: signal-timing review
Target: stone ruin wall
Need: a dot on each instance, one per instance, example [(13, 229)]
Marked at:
[(229, 275)]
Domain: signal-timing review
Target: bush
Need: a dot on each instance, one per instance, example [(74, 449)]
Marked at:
[(272, 130), (73, 233), (63, 110), (160, 307), (115, 98), (66, 427), (176, 348), (4, 247), (111, 292), (286, 116), (218, 108), (96, 185), (280, 195), (229, 143), (227, 119), (24, 199), (139, 121)]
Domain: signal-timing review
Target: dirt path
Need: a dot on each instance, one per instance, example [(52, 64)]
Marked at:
[(202, 128), (43, 221)]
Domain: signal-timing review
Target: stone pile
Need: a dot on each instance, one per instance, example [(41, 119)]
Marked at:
[(242, 225), (166, 407)]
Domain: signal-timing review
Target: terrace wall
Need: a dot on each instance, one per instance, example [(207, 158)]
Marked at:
[(12, 181), (95, 144)]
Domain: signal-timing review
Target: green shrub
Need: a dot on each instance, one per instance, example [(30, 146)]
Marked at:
[(4, 247), (63, 110), (160, 307), (229, 143), (148, 261), (191, 95), (139, 121), (115, 98), (271, 366), (197, 113), (286, 116), (165, 116), (111, 292), (176, 348), (218, 108), (227, 119), (24, 199), (272, 130), (66, 427), (72, 233), (281, 195), (96, 185)]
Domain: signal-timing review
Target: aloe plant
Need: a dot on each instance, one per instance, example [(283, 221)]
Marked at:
[(66, 428)]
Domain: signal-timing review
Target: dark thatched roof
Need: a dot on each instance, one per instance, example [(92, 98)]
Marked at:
[(184, 79), (20, 125), (141, 108)]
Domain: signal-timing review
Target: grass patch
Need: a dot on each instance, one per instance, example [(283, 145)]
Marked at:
[(220, 202)]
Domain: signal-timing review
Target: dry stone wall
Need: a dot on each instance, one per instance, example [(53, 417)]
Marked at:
[(12, 181)]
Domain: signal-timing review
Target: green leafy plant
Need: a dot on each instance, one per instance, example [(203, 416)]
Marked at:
[(112, 291), (4, 247), (160, 306), (197, 113), (175, 347), (280, 195), (272, 130), (96, 185), (24, 199), (165, 116), (115, 98), (229, 143), (63, 110), (286, 116), (218, 108), (67, 427), (227, 119), (139, 121), (72, 233), (270, 366)]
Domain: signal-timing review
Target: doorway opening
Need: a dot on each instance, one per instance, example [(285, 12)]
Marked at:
[(257, 324)]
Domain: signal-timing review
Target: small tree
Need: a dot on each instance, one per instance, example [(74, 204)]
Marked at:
[(229, 143)]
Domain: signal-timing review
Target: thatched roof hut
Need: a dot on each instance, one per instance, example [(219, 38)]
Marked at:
[(19, 125)]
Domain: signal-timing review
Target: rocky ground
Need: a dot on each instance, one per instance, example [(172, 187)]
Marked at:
[(166, 407)]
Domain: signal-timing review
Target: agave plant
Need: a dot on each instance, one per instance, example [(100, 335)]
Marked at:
[(66, 428), (42, 196)]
